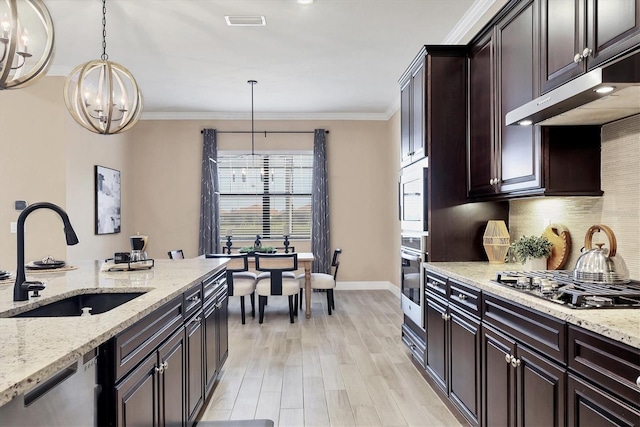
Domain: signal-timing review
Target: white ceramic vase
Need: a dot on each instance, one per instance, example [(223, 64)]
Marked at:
[(533, 264)]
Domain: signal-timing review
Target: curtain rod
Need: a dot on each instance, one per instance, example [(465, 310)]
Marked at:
[(265, 131)]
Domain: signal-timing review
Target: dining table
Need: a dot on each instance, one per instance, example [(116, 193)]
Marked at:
[(305, 260)]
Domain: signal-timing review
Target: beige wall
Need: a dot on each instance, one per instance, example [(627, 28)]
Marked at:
[(619, 208), (362, 186), (46, 156)]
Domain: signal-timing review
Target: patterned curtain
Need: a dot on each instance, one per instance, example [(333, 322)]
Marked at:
[(209, 239), (320, 243)]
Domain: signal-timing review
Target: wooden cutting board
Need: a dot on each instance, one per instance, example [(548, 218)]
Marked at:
[(558, 235)]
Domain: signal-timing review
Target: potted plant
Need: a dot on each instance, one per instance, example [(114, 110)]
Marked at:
[(532, 250), (254, 249)]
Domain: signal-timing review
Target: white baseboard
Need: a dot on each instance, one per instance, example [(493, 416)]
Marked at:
[(366, 285)]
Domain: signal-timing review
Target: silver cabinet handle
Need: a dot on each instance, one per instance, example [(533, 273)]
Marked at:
[(219, 305), (160, 369), (638, 381), (508, 357), (586, 52), (194, 298), (196, 319), (515, 362), (462, 296), (444, 316), (577, 58), (491, 181), (165, 366)]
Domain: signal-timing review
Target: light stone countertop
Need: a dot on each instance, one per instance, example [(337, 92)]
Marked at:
[(34, 348), (622, 325)]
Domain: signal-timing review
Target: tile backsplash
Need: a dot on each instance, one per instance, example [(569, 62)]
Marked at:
[(619, 207)]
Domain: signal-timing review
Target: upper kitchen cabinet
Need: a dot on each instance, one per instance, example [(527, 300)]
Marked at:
[(578, 35), (412, 95)]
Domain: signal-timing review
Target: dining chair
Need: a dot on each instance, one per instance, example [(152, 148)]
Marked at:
[(176, 254), (240, 281), (277, 278), (324, 281)]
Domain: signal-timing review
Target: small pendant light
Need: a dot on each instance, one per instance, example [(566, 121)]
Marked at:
[(102, 95), (26, 42)]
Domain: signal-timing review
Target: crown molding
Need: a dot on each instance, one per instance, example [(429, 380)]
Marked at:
[(263, 116), (468, 21)]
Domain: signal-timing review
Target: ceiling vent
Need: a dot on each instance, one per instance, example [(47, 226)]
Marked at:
[(246, 21)]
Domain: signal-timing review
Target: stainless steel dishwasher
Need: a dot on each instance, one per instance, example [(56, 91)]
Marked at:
[(67, 398)]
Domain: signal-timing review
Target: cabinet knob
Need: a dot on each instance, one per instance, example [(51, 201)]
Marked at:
[(194, 298), (586, 53), (462, 296), (638, 381), (515, 362), (444, 316), (507, 357), (160, 369), (577, 58), (219, 305), (165, 366), (491, 181)]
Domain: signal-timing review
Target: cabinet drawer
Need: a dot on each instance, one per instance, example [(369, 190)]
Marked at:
[(139, 340), (210, 285), (192, 300), (591, 406), (612, 365), (464, 296), (435, 283), (539, 331)]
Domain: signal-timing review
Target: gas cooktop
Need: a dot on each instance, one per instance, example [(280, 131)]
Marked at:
[(558, 286)]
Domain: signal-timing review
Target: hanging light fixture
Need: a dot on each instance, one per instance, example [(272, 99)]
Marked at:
[(252, 83), (102, 95), (26, 42)]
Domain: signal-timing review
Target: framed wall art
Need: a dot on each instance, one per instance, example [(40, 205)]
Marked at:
[(107, 200)]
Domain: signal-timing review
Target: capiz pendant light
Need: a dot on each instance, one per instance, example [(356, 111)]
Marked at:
[(26, 42), (102, 95)]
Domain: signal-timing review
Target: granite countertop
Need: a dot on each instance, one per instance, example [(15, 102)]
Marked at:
[(619, 324), (34, 348)]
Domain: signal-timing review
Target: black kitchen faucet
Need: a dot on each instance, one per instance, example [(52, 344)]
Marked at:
[(22, 287)]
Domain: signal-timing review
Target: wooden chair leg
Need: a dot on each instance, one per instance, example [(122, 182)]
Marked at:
[(329, 302), (291, 308), (333, 301), (295, 305), (261, 303), (253, 304), (300, 298), (242, 308)]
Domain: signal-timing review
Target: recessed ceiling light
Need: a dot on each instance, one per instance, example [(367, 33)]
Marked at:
[(246, 21), (525, 123), (305, 1), (605, 89)]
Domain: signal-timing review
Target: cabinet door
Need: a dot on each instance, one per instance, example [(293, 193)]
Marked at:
[(612, 28), (464, 331), (590, 406), (210, 345), (222, 319), (541, 391), (436, 312), (171, 380), (562, 37), (498, 379), (481, 119), (195, 366), (137, 395), (405, 123), (520, 166), (418, 110)]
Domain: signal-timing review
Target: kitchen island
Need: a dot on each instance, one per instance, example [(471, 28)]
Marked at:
[(35, 348)]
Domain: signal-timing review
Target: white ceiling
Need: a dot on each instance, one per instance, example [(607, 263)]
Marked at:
[(331, 59)]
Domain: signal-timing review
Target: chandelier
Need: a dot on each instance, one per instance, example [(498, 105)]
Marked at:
[(102, 95), (26, 42)]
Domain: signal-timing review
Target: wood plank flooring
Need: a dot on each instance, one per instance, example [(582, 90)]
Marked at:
[(347, 369)]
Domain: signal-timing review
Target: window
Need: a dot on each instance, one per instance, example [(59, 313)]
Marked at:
[(265, 194)]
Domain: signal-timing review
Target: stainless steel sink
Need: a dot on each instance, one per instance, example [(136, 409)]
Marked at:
[(73, 305)]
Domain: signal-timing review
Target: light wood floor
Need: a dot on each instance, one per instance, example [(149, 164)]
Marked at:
[(350, 368)]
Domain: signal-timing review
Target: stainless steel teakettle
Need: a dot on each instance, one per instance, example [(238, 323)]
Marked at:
[(600, 265)]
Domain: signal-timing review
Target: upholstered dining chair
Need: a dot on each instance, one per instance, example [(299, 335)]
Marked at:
[(277, 278), (176, 254), (324, 281), (240, 281)]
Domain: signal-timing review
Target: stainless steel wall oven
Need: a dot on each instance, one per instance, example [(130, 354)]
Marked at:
[(413, 197), (413, 252)]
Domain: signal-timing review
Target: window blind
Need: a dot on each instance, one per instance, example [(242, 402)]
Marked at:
[(265, 194)]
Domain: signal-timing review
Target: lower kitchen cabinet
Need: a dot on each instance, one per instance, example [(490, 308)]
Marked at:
[(216, 336), (195, 366), (153, 394)]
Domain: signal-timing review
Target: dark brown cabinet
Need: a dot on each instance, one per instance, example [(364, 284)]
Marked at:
[(578, 35), (412, 106), (216, 335), (153, 393), (591, 406), (195, 366)]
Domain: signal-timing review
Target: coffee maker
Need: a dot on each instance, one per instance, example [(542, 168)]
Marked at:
[(138, 248)]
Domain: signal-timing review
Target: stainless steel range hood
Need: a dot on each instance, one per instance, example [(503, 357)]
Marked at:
[(578, 103)]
